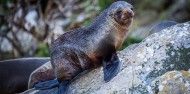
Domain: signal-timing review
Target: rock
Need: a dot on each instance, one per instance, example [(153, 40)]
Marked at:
[(173, 82), (144, 67)]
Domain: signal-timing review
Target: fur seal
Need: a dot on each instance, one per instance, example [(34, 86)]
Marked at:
[(15, 73), (90, 47), (161, 26)]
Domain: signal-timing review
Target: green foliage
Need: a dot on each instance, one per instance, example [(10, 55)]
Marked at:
[(43, 50), (87, 22), (104, 4), (165, 14)]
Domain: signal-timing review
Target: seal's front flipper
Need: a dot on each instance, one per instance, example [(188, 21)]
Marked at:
[(62, 87), (47, 84), (111, 67)]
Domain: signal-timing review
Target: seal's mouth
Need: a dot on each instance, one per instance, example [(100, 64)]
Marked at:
[(127, 22), (127, 18)]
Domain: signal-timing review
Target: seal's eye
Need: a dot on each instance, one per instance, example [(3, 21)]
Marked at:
[(119, 12), (132, 8)]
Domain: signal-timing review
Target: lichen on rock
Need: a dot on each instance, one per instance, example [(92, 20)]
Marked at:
[(173, 82)]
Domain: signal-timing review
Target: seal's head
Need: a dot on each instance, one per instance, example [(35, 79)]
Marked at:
[(121, 12)]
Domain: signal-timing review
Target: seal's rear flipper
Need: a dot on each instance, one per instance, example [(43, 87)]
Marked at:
[(111, 67), (47, 84), (62, 87)]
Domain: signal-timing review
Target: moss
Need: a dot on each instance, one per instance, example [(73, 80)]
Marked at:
[(173, 81), (85, 23), (43, 50)]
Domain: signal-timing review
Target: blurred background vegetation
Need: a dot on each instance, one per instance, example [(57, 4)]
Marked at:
[(28, 27)]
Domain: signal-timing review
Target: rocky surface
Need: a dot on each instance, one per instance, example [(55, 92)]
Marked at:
[(173, 82), (158, 64)]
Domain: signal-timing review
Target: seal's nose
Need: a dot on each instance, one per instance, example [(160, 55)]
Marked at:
[(130, 12)]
